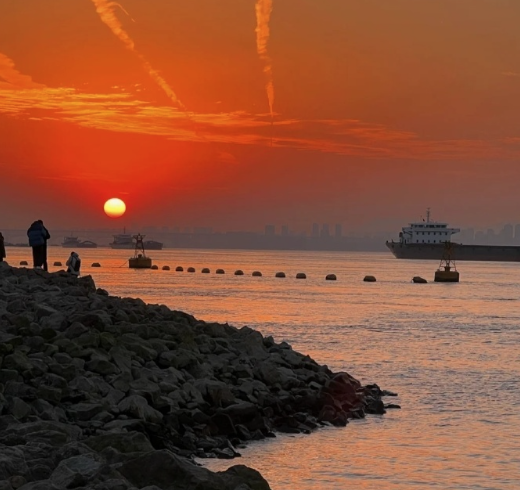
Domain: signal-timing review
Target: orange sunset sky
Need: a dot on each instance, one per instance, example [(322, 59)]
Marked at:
[(380, 108)]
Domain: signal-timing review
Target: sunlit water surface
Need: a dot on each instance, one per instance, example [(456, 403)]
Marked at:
[(451, 351)]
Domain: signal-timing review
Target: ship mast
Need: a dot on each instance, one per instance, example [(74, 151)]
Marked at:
[(427, 215)]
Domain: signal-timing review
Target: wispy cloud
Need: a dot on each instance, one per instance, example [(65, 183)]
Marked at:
[(106, 11), (10, 77), (511, 74), (125, 112), (121, 112), (264, 9)]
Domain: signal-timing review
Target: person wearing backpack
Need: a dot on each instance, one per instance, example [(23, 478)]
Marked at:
[(38, 236), (73, 264)]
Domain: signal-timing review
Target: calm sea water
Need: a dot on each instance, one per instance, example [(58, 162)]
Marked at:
[(451, 351)]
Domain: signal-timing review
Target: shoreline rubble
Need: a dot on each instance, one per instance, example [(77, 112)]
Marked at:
[(106, 393)]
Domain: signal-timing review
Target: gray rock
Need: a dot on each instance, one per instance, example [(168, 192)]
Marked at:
[(48, 432), (17, 481), (17, 361), (122, 357), (18, 408), (9, 375), (112, 398), (75, 472), (53, 322), (50, 394), (137, 406), (84, 411), (170, 472), (101, 366), (12, 462), (39, 485), (215, 392), (75, 330), (125, 442)]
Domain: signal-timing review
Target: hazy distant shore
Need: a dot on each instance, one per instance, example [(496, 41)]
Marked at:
[(96, 388)]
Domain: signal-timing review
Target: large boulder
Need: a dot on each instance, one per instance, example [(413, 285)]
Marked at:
[(170, 472)]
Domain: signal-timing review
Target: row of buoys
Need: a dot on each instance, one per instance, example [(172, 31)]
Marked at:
[(95, 264), (239, 272)]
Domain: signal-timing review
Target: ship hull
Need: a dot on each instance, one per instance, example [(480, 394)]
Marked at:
[(80, 245), (131, 246), (483, 253)]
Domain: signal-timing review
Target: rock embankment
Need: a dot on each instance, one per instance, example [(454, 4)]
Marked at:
[(108, 393)]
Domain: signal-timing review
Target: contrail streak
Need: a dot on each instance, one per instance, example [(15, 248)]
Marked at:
[(106, 10), (10, 77), (264, 9)]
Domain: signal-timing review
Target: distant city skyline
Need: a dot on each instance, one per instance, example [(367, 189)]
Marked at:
[(281, 237)]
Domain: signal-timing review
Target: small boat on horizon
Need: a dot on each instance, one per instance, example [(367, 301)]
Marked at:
[(75, 242)]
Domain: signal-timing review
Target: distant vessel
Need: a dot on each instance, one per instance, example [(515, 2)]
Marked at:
[(426, 240), (126, 241), (75, 242)]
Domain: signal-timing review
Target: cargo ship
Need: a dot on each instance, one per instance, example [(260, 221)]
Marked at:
[(425, 240)]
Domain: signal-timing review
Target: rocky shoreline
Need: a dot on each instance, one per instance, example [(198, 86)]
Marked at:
[(108, 393)]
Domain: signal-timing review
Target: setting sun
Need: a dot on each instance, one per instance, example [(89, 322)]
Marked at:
[(115, 208)]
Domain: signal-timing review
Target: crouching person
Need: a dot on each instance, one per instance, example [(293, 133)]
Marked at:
[(73, 264)]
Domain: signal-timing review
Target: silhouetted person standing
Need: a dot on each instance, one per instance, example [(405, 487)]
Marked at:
[(38, 236), (2, 248)]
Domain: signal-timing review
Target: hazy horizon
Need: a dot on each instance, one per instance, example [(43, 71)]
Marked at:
[(202, 113)]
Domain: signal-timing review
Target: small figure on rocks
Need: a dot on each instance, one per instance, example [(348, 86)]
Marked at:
[(2, 248), (73, 264), (38, 236)]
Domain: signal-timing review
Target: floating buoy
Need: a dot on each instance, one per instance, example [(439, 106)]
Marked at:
[(165, 267), (447, 272), (280, 274), (191, 269), (239, 273), (446, 275), (369, 279), (179, 269), (57, 264), (330, 277), (419, 280), (154, 267), (23, 262), (256, 274), (96, 264), (140, 262), (205, 270), (219, 271), (301, 275)]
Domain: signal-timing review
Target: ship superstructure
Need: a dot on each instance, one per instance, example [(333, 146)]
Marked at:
[(427, 231)]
